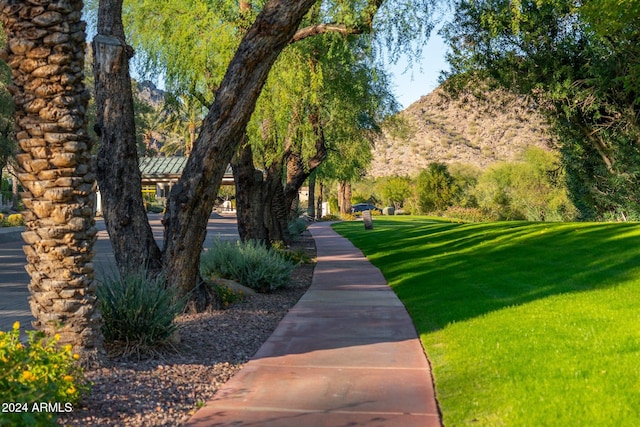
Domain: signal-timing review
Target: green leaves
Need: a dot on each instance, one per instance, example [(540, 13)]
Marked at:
[(138, 311), (189, 42), (581, 61), (435, 188), (250, 263), (37, 370)]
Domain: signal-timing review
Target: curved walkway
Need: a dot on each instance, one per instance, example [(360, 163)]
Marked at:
[(346, 355)]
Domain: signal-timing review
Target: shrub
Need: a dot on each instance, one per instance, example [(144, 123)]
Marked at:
[(154, 207), (249, 263), (297, 226), (330, 217), (348, 217), (138, 311), (37, 371), (2, 220), (528, 189)]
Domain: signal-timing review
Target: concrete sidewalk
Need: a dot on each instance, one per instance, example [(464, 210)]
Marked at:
[(346, 355)]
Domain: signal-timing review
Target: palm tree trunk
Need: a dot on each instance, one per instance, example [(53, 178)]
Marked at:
[(45, 50)]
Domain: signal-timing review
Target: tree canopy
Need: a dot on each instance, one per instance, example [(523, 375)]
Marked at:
[(186, 43), (580, 61)]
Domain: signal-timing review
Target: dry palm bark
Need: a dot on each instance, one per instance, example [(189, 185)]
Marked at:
[(45, 50)]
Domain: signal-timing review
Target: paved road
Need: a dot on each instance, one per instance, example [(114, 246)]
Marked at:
[(14, 293)]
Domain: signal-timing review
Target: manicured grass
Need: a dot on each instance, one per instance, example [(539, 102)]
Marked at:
[(525, 324)]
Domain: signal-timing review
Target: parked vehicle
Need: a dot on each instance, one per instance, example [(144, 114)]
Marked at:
[(361, 207)]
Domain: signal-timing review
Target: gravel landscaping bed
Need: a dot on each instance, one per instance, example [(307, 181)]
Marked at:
[(168, 389)]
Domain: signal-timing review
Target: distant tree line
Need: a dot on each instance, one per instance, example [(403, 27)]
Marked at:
[(532, 188)]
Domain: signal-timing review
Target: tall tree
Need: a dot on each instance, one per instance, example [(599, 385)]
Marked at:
[(580, 60), (395, 190), (192, 198), (435, 188), (325, 98), (184, 116), (45, 50), (234, 97), (117, 163)]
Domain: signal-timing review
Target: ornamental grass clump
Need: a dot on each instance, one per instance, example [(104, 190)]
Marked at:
[(39, 378), (297, 226), (250, 263), (138, 311)]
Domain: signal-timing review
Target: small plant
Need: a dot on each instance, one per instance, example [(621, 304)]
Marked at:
[(297, 226), (250, 263), (468, 214), (39, 370), (2, 220), (138, 311), (348, 217), (225, 295), (297, 257), (331, 217)]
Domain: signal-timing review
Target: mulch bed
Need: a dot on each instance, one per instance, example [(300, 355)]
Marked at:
[(168, 388)]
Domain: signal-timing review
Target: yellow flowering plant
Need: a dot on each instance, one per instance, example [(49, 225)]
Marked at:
[(37, 371), (14, 220), (226, 296)]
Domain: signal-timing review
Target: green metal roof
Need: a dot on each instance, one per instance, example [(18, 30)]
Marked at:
[(169, 168), (165, 167)]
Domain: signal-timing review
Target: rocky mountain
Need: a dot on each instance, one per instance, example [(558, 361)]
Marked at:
[(148, 93), (478, 127)]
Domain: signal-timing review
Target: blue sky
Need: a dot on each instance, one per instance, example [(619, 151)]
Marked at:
[(420, 80)]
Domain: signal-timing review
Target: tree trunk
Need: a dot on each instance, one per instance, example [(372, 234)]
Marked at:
[(117, 166), (276, 213), (297, 174), (259, 201), (250, 197), (344, 197), (14, 190), (192, 138), (45, 50), (193, 196), (311, 205), (319, 206)]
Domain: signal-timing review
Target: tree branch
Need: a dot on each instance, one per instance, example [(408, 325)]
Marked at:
[(317, 29), (364, 26)]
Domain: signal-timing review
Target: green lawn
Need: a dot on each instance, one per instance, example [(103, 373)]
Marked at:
[(525, 324)]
